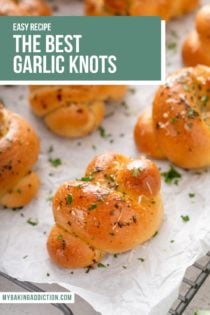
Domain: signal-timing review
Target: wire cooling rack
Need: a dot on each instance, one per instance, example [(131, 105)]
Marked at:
[(194, 278)]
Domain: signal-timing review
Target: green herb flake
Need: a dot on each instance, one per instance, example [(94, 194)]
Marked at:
[(102, 132), (92, 207), (69, 199), (155, 234), (192, 113), (88, 269), (32, 222), (55, 162), (115, 255), (171, 46), (191, 195), (185, 218), (171, 176), (47, 274), (141, 259), (60, 237), (136, 171), (86, 178), (100, 265), (174, 120), (172, 241)]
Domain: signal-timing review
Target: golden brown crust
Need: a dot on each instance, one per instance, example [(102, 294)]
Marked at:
[(163, 8), (181, 118), (24, 8), (73, 111), (114, 209), (19, 149), (66, 250), (145, 137), (75, 120), (196, 47)]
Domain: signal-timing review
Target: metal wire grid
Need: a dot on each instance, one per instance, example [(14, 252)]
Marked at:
[(191, 285)]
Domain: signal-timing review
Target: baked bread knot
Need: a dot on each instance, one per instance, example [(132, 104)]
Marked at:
[(115, 207), (24, 8), (19, 149), (178, 128), (196, 47), (163, 8), (73, 110)]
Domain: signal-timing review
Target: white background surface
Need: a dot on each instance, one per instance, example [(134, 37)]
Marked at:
[(147, 287)]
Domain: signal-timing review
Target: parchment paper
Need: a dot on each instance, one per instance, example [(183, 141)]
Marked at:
[(128, 285)]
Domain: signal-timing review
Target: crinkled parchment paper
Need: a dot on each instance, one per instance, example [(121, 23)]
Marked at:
[(128, 285)]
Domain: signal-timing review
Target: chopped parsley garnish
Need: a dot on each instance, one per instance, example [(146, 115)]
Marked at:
[(69, 199), (55, 162), (171, 176), (191, 195), (115, 255), (60, 237), (174, 120), (88, 269), (141, 259), (103, 132), (192, 113), (32, 222), (185, 218), (171, 45), (155, 234), (93, 206), (86, 178), (136, 171), (100, 265), (172, 241)]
